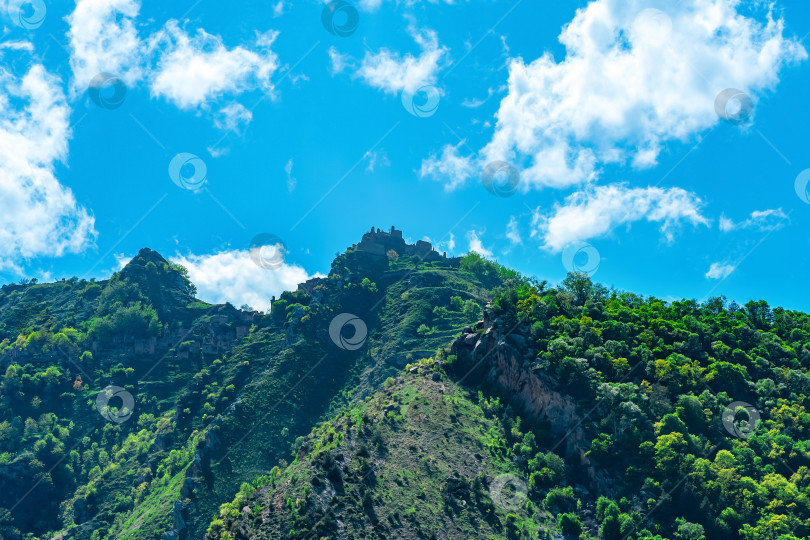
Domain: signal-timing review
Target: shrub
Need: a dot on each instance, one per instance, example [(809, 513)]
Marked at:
[(471, 310), (561, 499), (570, 524)]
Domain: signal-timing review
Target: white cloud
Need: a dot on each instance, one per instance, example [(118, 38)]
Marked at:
[(194, 69), (291, 180), (232, 276), (233, 117), (393, 72), (370, 5), (217, 151), (451, 166), (278, 9), (17, 45), (626, 86), (376, 158), (476, 246), (474, 103), (512, 232), (190, 69), (339, 62), (447, 246), (726, 224), (121, 260), (38, 215), (373, 5), (720, 271), (762, 220), (595, 212), (102, 38)]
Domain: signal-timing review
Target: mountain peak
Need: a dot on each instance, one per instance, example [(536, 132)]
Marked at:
[(146, 255), (162, 282)]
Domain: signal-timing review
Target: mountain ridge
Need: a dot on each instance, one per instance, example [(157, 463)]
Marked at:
[(464, 399)]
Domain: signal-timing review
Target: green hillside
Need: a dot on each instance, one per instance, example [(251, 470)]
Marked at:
[(406, 395), (416, 460)]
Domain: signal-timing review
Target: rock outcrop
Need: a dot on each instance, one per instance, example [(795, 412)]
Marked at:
[(501, 359)]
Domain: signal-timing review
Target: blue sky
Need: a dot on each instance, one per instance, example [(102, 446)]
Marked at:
[(604, 111)]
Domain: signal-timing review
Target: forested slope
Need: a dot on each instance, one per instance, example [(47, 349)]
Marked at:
[(217, 394), (612, 416), (406, 395)]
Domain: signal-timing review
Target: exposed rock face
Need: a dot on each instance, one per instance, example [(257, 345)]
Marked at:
[(501, 358), (178, 522), (504, 361)]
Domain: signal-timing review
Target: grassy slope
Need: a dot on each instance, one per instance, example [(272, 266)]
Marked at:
[(281, 391), (415, 460)]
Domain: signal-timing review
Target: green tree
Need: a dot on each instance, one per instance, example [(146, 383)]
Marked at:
[(471, 310), (689, 531), (669, 453), (570, 525)]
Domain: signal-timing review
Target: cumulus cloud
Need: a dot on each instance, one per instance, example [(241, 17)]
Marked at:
[(38, 215), (232, 276), (121, 260), (194, 69), (233, 117), (450, 165), (338, 61), (720, 271), (190, 69), (476, 246), (595, 212), (102, 38), (762, 220), (393, 72), (630, 81), (725, 224)]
